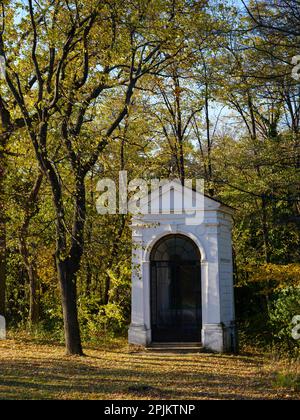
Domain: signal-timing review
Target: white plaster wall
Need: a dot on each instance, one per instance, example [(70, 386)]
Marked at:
[(213, 238), (226, 271)]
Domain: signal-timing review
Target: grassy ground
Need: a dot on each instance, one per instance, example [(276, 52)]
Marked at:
[(35, 370)]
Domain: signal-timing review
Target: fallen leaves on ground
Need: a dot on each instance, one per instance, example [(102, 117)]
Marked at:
[(41, 371)]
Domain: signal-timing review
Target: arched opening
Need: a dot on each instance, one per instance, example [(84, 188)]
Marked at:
[(176, 313)]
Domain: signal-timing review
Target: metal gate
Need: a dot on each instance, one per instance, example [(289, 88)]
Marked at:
[(176, 290)]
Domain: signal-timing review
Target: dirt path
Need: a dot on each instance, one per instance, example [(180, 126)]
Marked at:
[(38, 371)]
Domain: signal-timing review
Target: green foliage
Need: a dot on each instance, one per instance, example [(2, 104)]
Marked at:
[(100, 320), (17, 302), (290, 381), (284, 308)]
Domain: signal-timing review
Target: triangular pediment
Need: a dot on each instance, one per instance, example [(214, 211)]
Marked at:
[(171, 197)]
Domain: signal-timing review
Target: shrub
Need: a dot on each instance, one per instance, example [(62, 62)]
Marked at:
[(283, 309)]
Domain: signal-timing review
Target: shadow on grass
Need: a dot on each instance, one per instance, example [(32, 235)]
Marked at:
[(67, 379)]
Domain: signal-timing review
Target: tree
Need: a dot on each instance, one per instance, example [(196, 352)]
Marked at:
[(62, 81), (30, 265), (3, 141)]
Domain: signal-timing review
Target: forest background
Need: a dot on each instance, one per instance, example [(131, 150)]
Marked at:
[(162, 89)]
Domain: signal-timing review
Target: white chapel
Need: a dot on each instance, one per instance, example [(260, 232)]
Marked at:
[(182, 272)]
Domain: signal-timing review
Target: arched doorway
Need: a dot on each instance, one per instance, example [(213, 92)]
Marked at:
[(176, 313)]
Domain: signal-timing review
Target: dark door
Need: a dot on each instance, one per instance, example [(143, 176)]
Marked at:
[(176, 291)]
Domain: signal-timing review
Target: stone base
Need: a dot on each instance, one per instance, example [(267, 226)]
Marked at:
[(219, 338), (2, 328), (215, 337), (139, 335)]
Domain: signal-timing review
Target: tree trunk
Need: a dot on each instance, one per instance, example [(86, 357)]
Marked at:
[(28, 259), (209, 145), (34, 304), (2, 243), (211, 190), (179, 127), (264, 215), (2, 266), (265, 229), (34, 307), (67, 279), (113, 255), (68, 267), (88, 278), (5, 125)]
